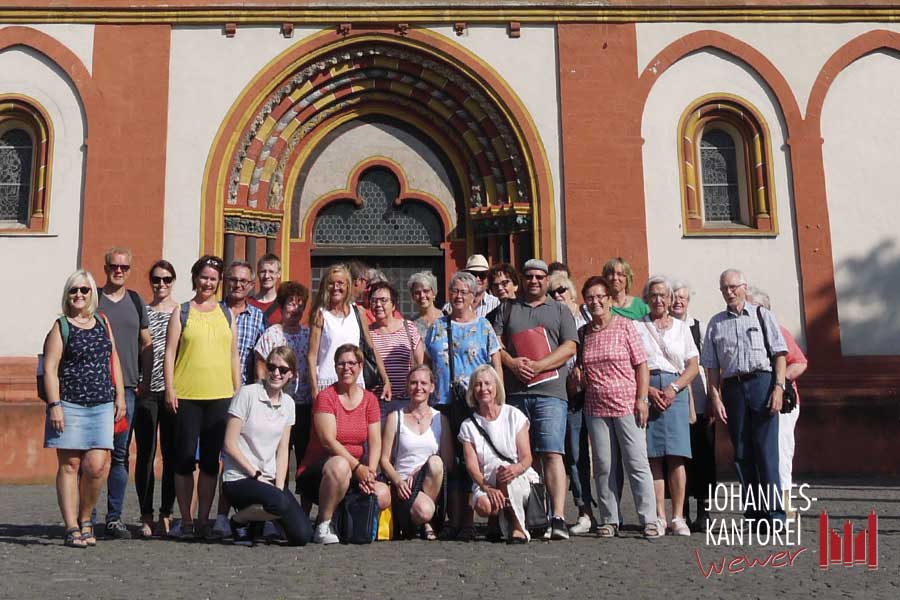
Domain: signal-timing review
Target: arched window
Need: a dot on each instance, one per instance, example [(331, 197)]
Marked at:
[(24, 153), (726, 171)]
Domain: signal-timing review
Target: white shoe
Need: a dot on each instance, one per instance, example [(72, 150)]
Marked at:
[(581, 526), (325, 534), (175, 529), (221, 529), (680, 527)]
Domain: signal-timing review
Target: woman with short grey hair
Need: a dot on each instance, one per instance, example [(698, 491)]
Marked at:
[(423, 288)]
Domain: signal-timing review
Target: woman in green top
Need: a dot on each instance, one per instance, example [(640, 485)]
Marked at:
[(620, 276)]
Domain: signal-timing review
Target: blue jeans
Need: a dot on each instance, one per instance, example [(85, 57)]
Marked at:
[(754, 434), (278, 502), (578, 459), (117, 481), (548, 421)]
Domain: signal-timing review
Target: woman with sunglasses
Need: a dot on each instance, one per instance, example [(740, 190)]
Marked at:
[(577, 458), (202, 372), (150, 414), (257, 447), (85, 395), (345, 447)]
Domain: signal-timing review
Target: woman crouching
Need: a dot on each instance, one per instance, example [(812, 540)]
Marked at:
[(500, 486), (416, 445), (257, 447)]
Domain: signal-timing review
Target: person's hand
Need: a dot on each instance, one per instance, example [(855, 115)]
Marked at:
[(656, 397), (718, 411), (641, 413), (171, 402), (498, 500), (669, 393), (775, 400), (404, 488), (56, 419), (386, 391), (121, 409), (523, 368), (506, 473)]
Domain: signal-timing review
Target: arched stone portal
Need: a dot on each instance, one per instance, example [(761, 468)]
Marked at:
[(461, 143)]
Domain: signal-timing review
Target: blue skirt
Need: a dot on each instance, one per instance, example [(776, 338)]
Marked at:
[(84, 427), (669, 432)]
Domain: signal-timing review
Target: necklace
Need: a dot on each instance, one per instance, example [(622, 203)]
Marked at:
[(418, 418), (81, 319)]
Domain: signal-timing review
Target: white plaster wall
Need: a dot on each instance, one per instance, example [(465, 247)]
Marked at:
[(76, 37), (355, 142), (529, 66), (798, 50), (207, 74), (860, 128), (37, 264), (769, 263)]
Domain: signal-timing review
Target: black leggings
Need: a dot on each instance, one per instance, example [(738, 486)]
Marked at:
[(203, 420), (300, 430), (281, 503), (151, 413)]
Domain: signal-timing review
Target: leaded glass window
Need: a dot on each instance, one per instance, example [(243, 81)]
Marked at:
[(16, 156), (378, 222), (719, 167)]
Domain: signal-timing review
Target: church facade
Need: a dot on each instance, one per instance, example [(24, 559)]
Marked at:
[(756, 135)]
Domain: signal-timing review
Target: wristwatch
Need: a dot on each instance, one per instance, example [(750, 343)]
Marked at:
[(675, 387), (645, 400), (53, 404), (781, 385), (257, 475)]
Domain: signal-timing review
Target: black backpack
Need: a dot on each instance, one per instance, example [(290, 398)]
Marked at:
[(356, 517)]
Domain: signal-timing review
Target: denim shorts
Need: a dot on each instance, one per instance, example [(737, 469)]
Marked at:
[(548, 416)]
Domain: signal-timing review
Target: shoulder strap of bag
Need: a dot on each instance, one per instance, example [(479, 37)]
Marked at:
[(183, 312), (660, 342), (762, 327), (136, 300), (489, 441), (409, 338), (64, 330), (226, 311), (362, 334), (582, 334), (397, 437), (695, 332), (270, 311)]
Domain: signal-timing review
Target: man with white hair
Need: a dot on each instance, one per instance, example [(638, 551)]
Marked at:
[(745, 391)]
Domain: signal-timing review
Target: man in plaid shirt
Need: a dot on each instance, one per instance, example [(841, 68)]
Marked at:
[(250, 320)]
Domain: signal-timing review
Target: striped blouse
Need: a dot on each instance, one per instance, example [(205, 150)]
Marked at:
[(396, 352)]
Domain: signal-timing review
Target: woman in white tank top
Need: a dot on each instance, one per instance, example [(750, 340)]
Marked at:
[(416, 444)]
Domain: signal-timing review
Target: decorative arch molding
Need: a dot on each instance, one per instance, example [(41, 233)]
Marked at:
[(63, 58), (350, 192), (858, 47), (500, 150)]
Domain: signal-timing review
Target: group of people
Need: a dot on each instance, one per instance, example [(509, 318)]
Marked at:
[(458, 410)]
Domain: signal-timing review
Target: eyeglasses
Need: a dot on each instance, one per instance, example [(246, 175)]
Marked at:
[(502, 283), (535, 276), (155, 280), (559, 291), (123, 268), (478, 274), (374, 301), (239, 282), (347, 364), (596, 298), (460, 292), (659, 296), (272, 368), (731, 288), (85, 290)]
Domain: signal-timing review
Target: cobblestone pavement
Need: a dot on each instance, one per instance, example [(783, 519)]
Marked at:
[(36, 565)]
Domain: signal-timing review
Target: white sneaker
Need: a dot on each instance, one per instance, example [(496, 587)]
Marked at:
[(581, 526), (175, 529), (221, 529), (325, 534), (680, 527)]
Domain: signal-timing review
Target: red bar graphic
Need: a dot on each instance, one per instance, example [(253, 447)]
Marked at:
[(845, 548)]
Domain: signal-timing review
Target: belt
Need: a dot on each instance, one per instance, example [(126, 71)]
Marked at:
[(661, 372), (745, 376)]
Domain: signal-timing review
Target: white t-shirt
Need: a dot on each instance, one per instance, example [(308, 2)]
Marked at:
[(678, 342), (502, 431), (261, 432)]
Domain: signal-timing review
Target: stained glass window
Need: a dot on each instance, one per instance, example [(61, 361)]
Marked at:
[(16, 156), (719, 166)]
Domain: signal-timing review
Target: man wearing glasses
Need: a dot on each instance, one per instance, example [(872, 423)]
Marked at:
[(539, 336), (484, 302), (127, 316), (745, 393), (250, 320)]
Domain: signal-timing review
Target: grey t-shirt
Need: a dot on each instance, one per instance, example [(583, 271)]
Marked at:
[(127, 322), (556, 320)]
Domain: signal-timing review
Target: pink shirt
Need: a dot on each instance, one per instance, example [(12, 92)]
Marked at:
[(610, 357), (352, 425), (795, 355)]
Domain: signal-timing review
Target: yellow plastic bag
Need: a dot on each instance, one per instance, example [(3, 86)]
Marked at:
[(385, 525)]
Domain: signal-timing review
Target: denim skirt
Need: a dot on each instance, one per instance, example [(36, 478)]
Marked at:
[(84, 427), (669, 432)]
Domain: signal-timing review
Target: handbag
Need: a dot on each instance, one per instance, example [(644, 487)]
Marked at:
[(356, 518), (537, 511), (459, 408), (371, 375), (789, 397)]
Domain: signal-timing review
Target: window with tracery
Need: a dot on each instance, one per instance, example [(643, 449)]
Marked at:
[(16, 157), (24, 166)]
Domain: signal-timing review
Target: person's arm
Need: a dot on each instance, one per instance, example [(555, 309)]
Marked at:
[(231, 447), (795, 370), (386, 387), (236, 378), (53, 349), (507, 473), (121, 409), (173, 335), (641, 408), (315, 338), (387, 448), (713, 380), (283, 455), (146, 362), (557, 358), (776, 398), (684, 380), (365, 473), (496, 497), (259, 366)]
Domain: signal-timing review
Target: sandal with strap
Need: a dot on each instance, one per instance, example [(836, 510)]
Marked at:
[(74, 539), (653, 530), (427, 533), (87, 533), (607, 530)]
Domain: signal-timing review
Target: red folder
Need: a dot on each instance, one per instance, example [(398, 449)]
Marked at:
[(534, 344)]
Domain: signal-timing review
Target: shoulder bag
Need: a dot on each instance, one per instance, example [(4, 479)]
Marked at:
[(371, 376)]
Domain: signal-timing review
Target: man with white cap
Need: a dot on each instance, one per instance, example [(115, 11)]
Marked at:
[(484, 301)]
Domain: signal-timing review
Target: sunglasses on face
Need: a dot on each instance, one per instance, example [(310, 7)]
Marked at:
[(538, 277), (123, 268), (559, 291), (156, 280), (272, 368), (478, 274), (85, 290)]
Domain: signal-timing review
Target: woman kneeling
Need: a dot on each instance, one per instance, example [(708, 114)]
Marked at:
[(346, 417), (500, 486), (416, 445), (257, 446)]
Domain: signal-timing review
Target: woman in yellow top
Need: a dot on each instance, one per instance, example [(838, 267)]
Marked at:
[(202, 374)]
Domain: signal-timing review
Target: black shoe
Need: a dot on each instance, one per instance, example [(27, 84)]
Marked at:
[(240, 533), (117, 530), (558, 529)]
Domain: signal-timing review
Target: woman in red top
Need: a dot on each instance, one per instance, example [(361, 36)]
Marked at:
[(346, 417)]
